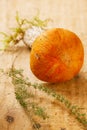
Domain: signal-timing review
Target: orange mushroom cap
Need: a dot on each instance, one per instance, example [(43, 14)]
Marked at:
[(57, 55)]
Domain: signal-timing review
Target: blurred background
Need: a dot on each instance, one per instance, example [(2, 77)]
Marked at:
[(70, 14)]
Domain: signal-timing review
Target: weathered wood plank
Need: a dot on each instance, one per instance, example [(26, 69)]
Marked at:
[(70, 14)]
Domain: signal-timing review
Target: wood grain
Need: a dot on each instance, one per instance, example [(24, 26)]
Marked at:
[(70, 14)]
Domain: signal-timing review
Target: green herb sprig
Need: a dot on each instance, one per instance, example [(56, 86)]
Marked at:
[(73, 109), (17, 33), (23, 83), (23, 95)]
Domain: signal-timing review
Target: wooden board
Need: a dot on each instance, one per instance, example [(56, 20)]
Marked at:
[(70, 14)]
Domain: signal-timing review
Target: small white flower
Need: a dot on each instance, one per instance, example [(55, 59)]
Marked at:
[(31, 34)]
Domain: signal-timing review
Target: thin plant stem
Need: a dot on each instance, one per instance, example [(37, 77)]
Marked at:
[(18, 79)]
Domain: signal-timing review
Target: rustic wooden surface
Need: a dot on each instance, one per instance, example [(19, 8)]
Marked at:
[(70, 14)]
